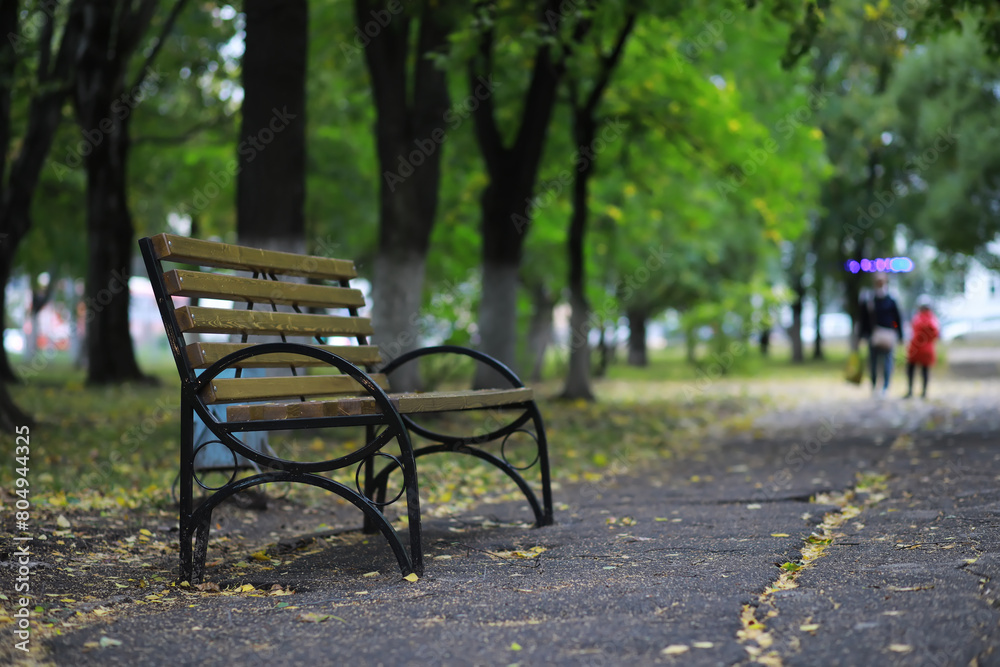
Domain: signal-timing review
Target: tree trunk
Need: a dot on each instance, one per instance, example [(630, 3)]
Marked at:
[(507, 199), (104, 109), (39, 299), (7, 373), (578, 375), (607, 354), (585, 133), (795, 331), (110, 239), (540, 329), (9, 11), (818, 343), (765, 341), (31, 339), (497, 320), (637, 338), (409, 131), (691, 345), (11, 416), (270, 187), (43, 119), (397, 294), (502, 243)]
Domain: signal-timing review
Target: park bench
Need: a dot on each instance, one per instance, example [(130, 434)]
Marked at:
[(335, 383)]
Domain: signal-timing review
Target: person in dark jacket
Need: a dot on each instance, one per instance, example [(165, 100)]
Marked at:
[(881, 324)]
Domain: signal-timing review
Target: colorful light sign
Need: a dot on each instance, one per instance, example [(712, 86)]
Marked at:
[(880, 265)]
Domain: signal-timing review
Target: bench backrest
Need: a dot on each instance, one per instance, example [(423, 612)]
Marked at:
[(255, 301)]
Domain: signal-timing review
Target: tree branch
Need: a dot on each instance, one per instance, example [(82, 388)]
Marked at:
[(540, 100), (45, 44), (609, 62), (168, 25), (484, 117), (386, 57)]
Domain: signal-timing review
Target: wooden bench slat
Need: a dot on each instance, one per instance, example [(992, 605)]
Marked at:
[(365, 405), (195, 319), (233, 288), (231, 390), (203, 355), (185, 250)]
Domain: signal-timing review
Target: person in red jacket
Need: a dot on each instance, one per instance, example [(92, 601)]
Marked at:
[(920, 351)]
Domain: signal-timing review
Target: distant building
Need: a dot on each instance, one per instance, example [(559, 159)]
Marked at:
[(974, 310)]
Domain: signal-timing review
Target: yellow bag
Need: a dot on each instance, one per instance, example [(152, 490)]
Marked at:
[(855, 370)]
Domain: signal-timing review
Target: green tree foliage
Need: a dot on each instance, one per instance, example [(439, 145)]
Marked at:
[(948, 103), (717, 169)]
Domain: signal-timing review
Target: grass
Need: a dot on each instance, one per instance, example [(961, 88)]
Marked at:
[(116, 447), (738, 363)]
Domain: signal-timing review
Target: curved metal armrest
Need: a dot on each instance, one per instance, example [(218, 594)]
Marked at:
[(498, 366), (338, 362), (388, 410)]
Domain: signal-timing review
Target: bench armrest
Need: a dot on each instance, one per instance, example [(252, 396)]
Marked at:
[(496, 365)]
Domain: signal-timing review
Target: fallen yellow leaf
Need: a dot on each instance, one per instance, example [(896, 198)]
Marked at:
[(809, 627), (900, 648), (412, 576), (312, 617), (779, 534), (62, 521), (675, 649)]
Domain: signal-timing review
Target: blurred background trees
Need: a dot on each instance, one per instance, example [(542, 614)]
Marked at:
[(549, 181)]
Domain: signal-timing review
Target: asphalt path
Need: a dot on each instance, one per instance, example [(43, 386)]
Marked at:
[(678, 564)]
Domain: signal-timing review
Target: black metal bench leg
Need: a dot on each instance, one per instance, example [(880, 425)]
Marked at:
[(200, 551), (186, 553), (413, 517), (543, 461), (369, 526), (186, 481)]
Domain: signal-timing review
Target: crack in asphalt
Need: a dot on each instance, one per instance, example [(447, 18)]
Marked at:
[(754, 636)]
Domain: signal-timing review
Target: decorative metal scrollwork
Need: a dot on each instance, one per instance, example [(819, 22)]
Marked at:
[(236, 466), (357, 479), (503, 449)]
